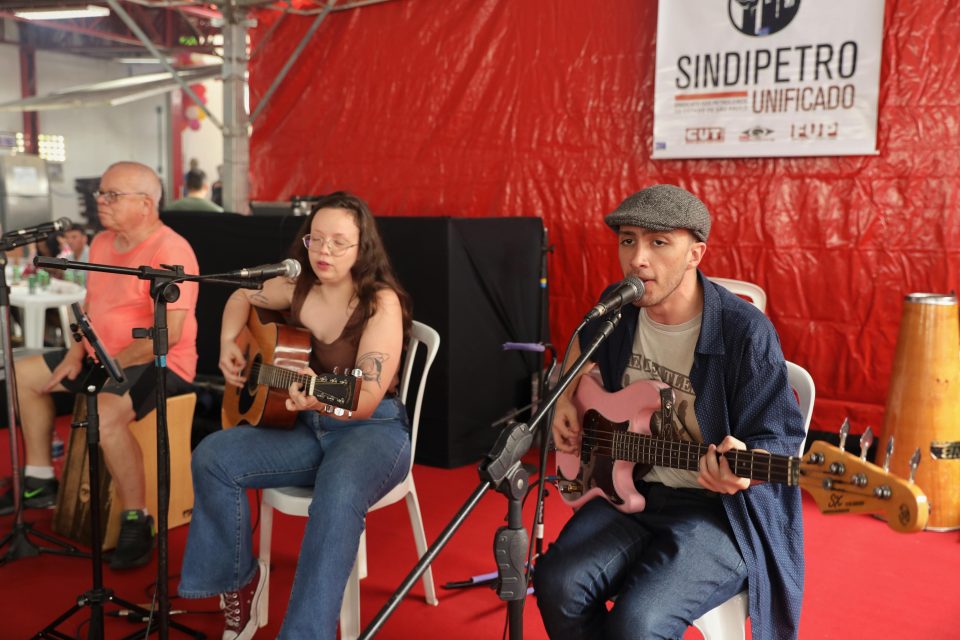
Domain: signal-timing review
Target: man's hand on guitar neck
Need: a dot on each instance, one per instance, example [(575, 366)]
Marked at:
[(715, 472)]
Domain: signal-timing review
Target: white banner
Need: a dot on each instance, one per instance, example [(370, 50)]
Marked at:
[(750, 78)]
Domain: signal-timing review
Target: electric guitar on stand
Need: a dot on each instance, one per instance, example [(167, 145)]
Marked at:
[(618, 448), (273, 353)]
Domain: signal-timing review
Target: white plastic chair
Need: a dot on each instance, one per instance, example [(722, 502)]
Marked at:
[(728, 621), (296, 500), (757, 296)]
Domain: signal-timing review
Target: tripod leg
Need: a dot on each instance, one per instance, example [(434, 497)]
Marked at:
[(50, 631)]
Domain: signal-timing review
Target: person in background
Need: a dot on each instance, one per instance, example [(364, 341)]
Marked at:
[(705, 534), (216, 189), (192, 165), (196, 198), (77, 243), (134, 236)]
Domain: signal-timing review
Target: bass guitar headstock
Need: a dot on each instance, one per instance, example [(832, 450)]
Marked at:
[(841, 482)]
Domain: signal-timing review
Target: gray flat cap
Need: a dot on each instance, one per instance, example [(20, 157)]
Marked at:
[(662, 207)]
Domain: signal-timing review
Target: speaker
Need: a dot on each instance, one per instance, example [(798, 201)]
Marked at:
[(479, 282)]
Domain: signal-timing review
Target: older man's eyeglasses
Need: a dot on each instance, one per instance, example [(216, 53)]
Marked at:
[(112, 196), (336, 246)]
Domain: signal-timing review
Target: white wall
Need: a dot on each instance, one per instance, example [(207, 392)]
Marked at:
[(95, 137)]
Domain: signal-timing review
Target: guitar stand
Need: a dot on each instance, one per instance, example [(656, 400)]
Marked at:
[(501, 470)]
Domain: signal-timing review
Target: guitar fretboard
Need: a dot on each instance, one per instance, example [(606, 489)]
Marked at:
[(277, 377), (644, 449)]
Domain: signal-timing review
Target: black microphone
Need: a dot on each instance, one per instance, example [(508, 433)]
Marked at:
[(41, 229), (630, 288), (289, 268)]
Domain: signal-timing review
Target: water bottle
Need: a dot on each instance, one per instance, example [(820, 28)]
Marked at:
[(56, 453)]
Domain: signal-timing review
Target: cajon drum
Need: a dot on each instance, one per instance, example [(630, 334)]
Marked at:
[(923, 403), (71, 518)]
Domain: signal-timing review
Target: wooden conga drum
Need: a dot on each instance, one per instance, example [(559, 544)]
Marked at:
[(923, 403)]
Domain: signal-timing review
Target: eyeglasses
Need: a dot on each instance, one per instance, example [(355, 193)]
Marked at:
[(112, 196), (336, 246)]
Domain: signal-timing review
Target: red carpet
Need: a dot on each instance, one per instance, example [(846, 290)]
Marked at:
[(862, 580)]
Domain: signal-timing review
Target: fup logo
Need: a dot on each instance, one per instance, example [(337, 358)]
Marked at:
[(761, 17)]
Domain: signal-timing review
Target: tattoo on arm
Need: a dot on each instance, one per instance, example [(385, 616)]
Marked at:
[(371, 363), (260, 299)]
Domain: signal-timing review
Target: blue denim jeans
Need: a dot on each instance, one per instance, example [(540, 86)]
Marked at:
[(666, 566), (349, 464)]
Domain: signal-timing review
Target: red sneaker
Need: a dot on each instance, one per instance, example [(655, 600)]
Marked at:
[(242, 608)]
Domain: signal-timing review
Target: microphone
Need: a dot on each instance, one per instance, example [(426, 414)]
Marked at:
[(289, 268), (630, 288), (45, 228)]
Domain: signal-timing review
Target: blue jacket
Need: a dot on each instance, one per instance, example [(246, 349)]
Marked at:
[(741, 386)]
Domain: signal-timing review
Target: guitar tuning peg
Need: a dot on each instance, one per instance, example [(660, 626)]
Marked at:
[(844, 430), (865, 441), (886, 460), (914, 463)]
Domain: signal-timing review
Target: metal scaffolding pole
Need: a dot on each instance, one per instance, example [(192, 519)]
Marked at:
[(236, 122)]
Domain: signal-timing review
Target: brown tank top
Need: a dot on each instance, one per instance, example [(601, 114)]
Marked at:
[(341, 354)]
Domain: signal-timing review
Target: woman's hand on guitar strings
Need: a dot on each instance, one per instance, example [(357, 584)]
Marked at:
[(715, 473), (232, 363)]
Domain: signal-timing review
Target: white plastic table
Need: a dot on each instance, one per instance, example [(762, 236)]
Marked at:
[(60, 294)]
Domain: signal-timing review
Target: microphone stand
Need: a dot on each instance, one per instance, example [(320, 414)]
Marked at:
[(97, 372), (501, 470), (163, 289), (20, 544)]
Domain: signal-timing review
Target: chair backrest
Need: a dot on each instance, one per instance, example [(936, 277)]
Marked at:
[(806, 391), (430, 339), (756, 294)]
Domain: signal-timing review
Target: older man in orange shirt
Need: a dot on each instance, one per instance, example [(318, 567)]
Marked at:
[(127, 202)]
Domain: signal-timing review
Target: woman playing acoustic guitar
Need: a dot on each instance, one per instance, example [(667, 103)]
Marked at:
[(357, 315)]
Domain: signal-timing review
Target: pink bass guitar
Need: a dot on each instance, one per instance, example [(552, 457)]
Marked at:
[(618, 448)]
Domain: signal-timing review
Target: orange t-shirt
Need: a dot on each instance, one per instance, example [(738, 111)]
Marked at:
[(118, 303)]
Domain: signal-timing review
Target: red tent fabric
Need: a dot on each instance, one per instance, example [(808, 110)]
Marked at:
[(544, 107)]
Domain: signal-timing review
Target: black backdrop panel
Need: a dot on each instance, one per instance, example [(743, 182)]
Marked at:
[(475, 280)]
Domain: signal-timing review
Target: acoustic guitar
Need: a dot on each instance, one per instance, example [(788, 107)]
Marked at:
[(273, 353), (616, 452)]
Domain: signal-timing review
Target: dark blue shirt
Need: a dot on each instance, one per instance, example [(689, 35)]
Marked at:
[(741, 387)]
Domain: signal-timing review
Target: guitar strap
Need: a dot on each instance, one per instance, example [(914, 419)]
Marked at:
[(665, 415)]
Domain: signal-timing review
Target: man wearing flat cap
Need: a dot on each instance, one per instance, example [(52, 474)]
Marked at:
[(695, 536)]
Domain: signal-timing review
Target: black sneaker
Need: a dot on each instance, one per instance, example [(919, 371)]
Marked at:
[(136, 541), (38, 493)]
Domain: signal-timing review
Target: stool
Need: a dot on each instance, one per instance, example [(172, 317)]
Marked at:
[(71, 518)]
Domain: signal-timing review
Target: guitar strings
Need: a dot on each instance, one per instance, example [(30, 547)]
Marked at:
[(650, 448), (276, 376)]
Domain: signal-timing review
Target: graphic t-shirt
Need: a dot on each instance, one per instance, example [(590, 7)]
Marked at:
[(664, 353)]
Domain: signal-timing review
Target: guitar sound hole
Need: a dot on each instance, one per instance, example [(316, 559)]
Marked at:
[(249, 391)]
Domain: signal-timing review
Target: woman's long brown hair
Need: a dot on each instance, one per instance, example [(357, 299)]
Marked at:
[(371, 272)]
